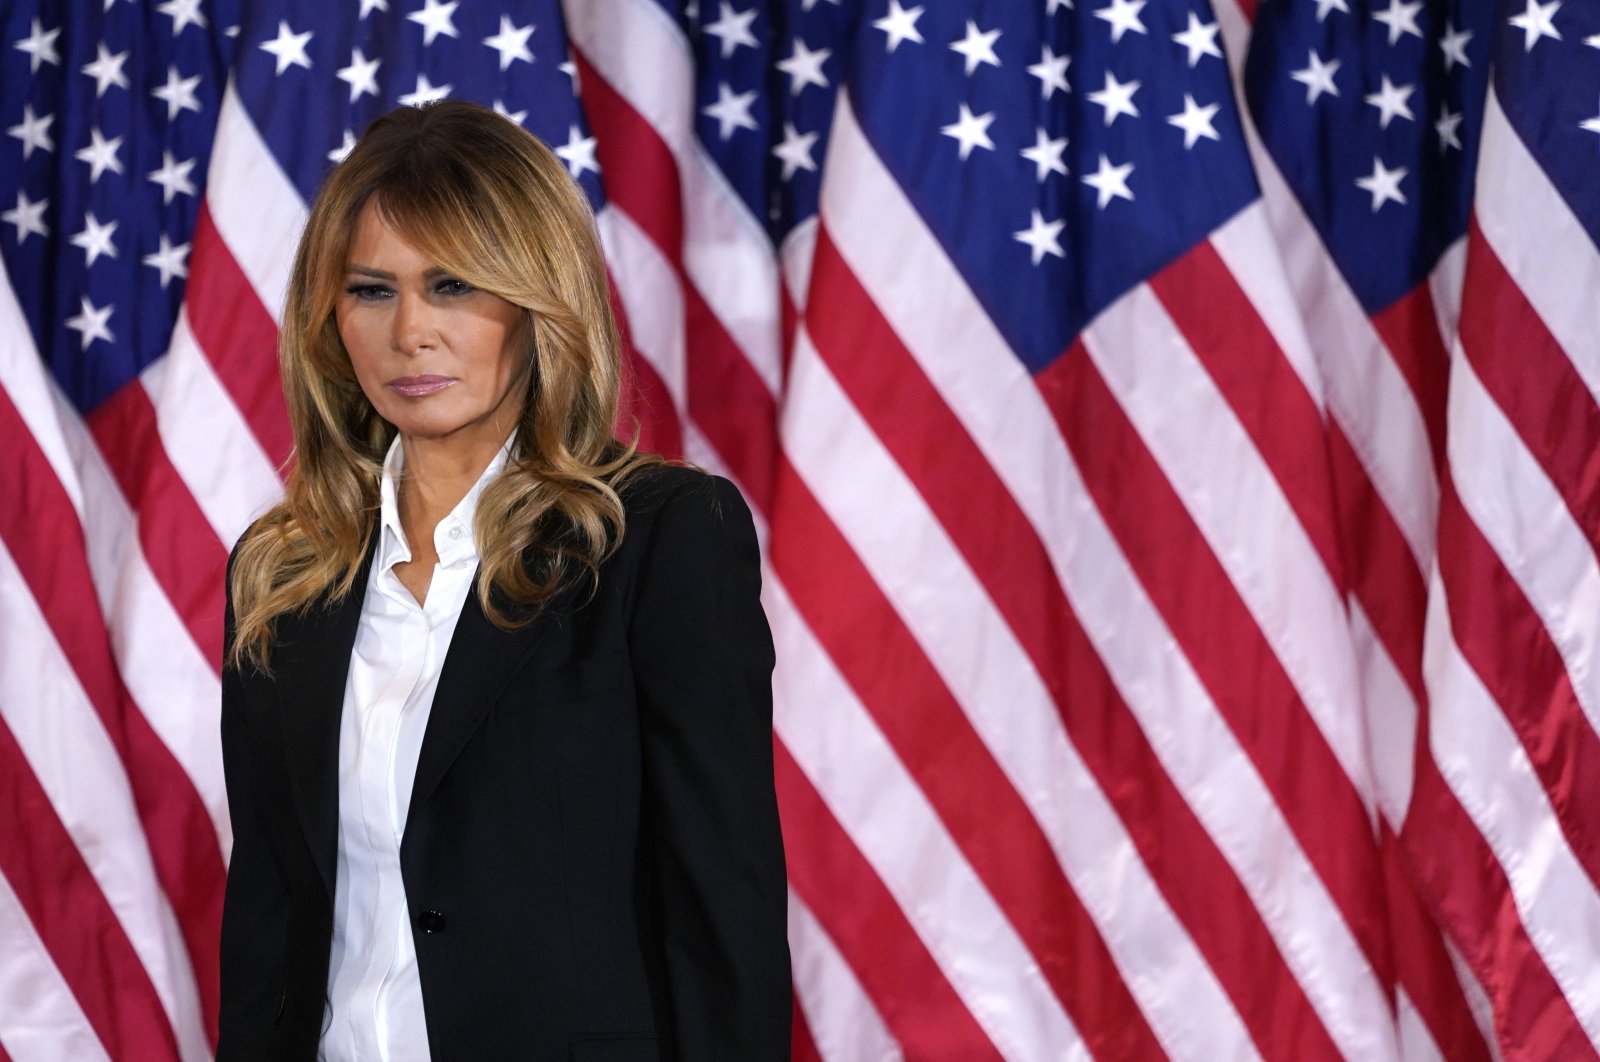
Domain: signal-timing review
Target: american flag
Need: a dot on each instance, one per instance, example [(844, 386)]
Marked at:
[(1173, 426)]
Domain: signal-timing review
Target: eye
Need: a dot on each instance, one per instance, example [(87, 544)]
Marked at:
[(452, 286), (368, 292)]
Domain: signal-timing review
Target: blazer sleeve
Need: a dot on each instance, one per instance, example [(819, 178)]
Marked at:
[(255, 907), (702, 659)]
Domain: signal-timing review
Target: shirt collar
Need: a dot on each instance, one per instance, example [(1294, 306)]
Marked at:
[(452, 539)]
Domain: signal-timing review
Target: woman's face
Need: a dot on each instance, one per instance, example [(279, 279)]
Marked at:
[(436, 357)]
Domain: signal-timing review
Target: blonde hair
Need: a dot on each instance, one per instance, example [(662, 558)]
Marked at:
[(493, 206)]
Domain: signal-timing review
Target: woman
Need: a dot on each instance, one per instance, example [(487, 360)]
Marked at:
[(497, 707)]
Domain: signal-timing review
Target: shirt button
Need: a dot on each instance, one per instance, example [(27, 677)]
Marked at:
[(455, 532), (431, 921)]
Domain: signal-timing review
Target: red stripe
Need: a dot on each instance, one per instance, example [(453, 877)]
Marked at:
[(238, 337), (727, 399), (1383, 572), (41, 530), (1243, 359), (183, 551), (997, 834), (1229, 653), (80, 931), (646, 404), (1422, 963), (1409, 328), (1533, 381), (1005, 552), (918, 1006), (1533, 1020), (802, 1045), (1506, 643)]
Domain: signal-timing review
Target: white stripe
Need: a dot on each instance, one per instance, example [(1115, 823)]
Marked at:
[(920, 571), (1367, 394), (1511, 500), (651, 298), (1541, 242), (76, 765), (1478, 1004), (1238, 505), (41, 1020), (257, 209), (845, 1025), (985, 385), (1445, 284), (1416, 1042), (1391, 713), (207, 439), (175, 688), (798, 251), (1246, 246), (727, 253), (855, 771), (1483, 762)]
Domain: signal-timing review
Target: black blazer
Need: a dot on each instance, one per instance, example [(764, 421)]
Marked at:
[(591, 857)]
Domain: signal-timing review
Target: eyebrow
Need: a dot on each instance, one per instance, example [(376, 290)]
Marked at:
[(379, 274)]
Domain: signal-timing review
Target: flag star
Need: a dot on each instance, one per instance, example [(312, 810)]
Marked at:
[(178, 93), (512, 42), (1051, 70), (1110, 181), (1447, 125), (1200, 38), (1052, 6), (1195, 121), (1591, 124), (1042, 237), (1537, 20), (40, 46), (425, 92), (1122, 15), (899, 25), (435, 18), (732, 110), (795, 151), (361, 75), (514, 117), (1593, 41), (91, 322), (1318, 78), (570, 69), (1401, 18), (288, 48), (95, 239), (1391, 100), (1116, 98), (1046, 154), (28, 217), (970, 130), (807, 5), (1325, 6), (1384, 184), (1454, 46), (732, 28), (804, 67), (977, 47), (106, 70), (171, 261), (342, 152), (369, 6), (34, 132), (173, 177), (101, 155), (578, 152), (183, 13)]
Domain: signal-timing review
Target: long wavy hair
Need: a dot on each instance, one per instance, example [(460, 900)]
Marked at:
[(493, 206)]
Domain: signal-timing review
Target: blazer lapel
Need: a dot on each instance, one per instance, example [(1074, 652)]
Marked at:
[(312, 700), (481, 660)]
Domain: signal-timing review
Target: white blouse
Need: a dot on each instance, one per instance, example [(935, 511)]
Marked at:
[(374, 995)]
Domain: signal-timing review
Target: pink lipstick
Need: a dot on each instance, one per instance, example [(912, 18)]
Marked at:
[(418, 386)]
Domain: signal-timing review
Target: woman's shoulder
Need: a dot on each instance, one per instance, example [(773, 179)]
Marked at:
[(657, 488)]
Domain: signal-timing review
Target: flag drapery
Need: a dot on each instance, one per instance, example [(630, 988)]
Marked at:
[(1173, 426)]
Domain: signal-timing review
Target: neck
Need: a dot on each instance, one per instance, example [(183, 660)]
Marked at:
[(437, 475)]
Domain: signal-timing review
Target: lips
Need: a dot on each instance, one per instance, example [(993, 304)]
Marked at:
[(418, 386)]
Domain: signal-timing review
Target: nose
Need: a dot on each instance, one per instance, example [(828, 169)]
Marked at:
[(415, 329)]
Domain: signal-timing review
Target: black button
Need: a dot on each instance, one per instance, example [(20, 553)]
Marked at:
[(431, 921)]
